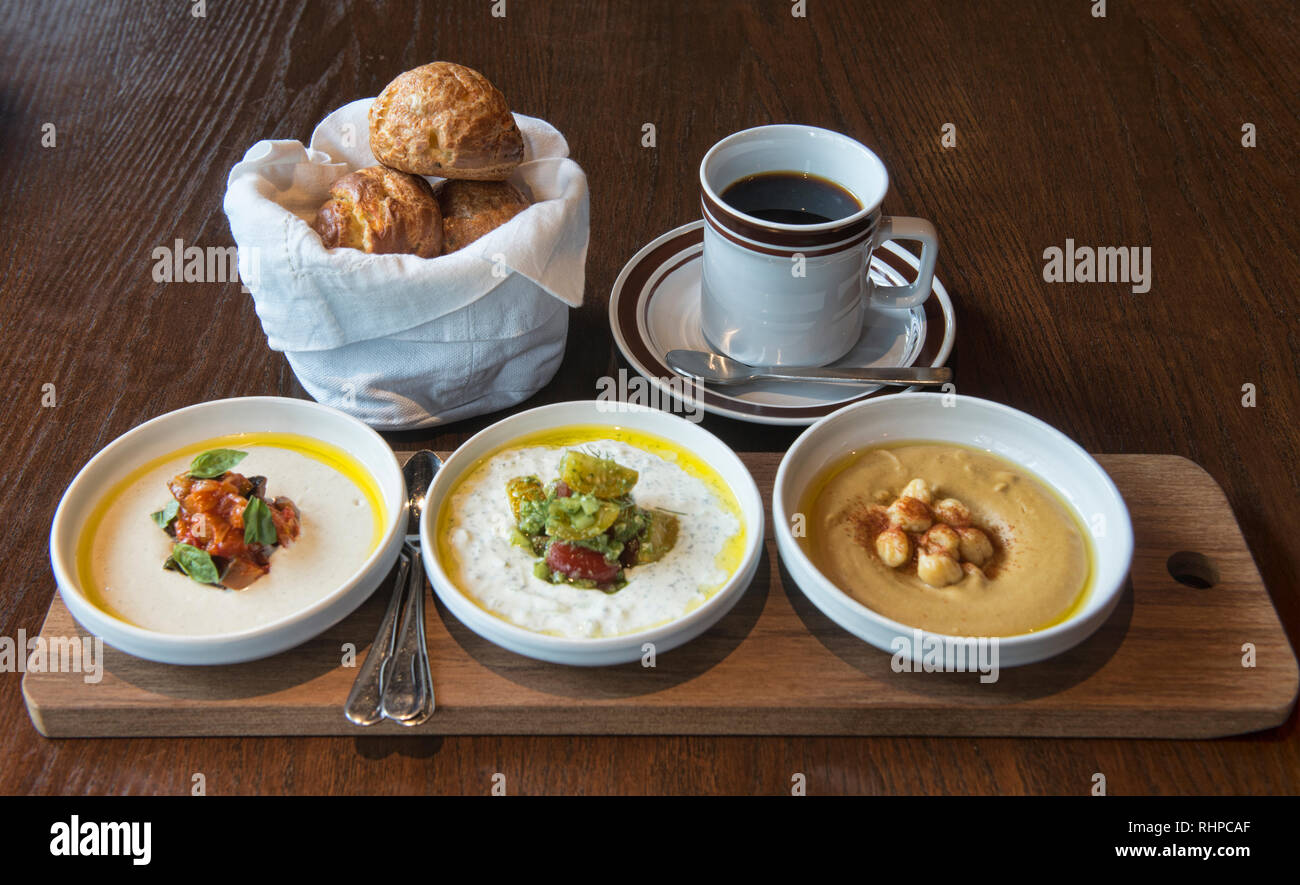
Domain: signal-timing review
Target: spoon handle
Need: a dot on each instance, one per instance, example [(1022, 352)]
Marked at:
[(920, 375), (364, 704), (407, 690), (423, 671)]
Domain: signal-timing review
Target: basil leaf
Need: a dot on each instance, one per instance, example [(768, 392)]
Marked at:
[(258, 525), (196, 563), (164, 517), (213, 463)]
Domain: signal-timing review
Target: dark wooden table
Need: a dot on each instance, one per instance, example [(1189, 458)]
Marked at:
[(1123, 130)]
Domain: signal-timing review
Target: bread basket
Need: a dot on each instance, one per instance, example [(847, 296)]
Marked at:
[(399, 341)]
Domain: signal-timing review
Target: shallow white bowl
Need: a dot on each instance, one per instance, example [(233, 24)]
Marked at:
[(172, 431), (604, 650), (995, 428)]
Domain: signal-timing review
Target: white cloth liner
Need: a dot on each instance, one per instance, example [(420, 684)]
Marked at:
[(397, 340)]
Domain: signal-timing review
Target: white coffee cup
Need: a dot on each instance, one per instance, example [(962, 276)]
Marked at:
[(795, 294)]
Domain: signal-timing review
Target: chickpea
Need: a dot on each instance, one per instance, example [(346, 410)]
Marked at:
[(975, 545), (941, 539), (953, 512), (910, 515), (893, 547), (971, 568), (938, 569), (918, 489)]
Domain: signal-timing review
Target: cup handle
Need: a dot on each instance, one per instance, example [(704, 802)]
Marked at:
[(923, 232)]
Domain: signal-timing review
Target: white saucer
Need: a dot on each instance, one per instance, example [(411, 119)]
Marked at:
[(655, 308)]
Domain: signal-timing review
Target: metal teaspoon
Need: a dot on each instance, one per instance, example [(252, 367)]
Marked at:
[(712, 368), (407, 682)]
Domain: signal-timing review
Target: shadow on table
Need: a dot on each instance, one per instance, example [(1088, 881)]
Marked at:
[(625, 680), (412, 747), (1014, 684)]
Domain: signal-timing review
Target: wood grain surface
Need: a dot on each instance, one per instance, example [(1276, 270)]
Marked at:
[(1167, 663), (1125, 130)]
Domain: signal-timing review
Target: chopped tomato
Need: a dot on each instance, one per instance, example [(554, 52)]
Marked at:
[(285, 517), (242, 572), (579, 563), (211, 517)]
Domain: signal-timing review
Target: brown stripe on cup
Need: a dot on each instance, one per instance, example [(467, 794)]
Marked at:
[(807, 252), (742, 225)]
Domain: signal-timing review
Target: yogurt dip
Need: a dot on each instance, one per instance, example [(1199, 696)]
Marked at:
[(121, 550), (475, 525), (1034, 574)]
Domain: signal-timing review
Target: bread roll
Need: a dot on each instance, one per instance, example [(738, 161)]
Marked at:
[(472, 208), (445, 119), (381, 210)]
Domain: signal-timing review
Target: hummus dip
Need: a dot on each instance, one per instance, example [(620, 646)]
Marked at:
[(476, 522), (121, 551), (1037, 574)]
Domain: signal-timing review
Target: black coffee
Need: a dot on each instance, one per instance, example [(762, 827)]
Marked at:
[(790, 198)]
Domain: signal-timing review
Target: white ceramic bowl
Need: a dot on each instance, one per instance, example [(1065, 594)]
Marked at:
[(982, 424), (173, 431), (607, 650)]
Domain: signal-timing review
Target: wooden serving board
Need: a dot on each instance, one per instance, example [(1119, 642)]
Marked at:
[(1168, 663)]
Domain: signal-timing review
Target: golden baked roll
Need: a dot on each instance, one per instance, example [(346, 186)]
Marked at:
[(472, 208), (445, 119), (381, 210)]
